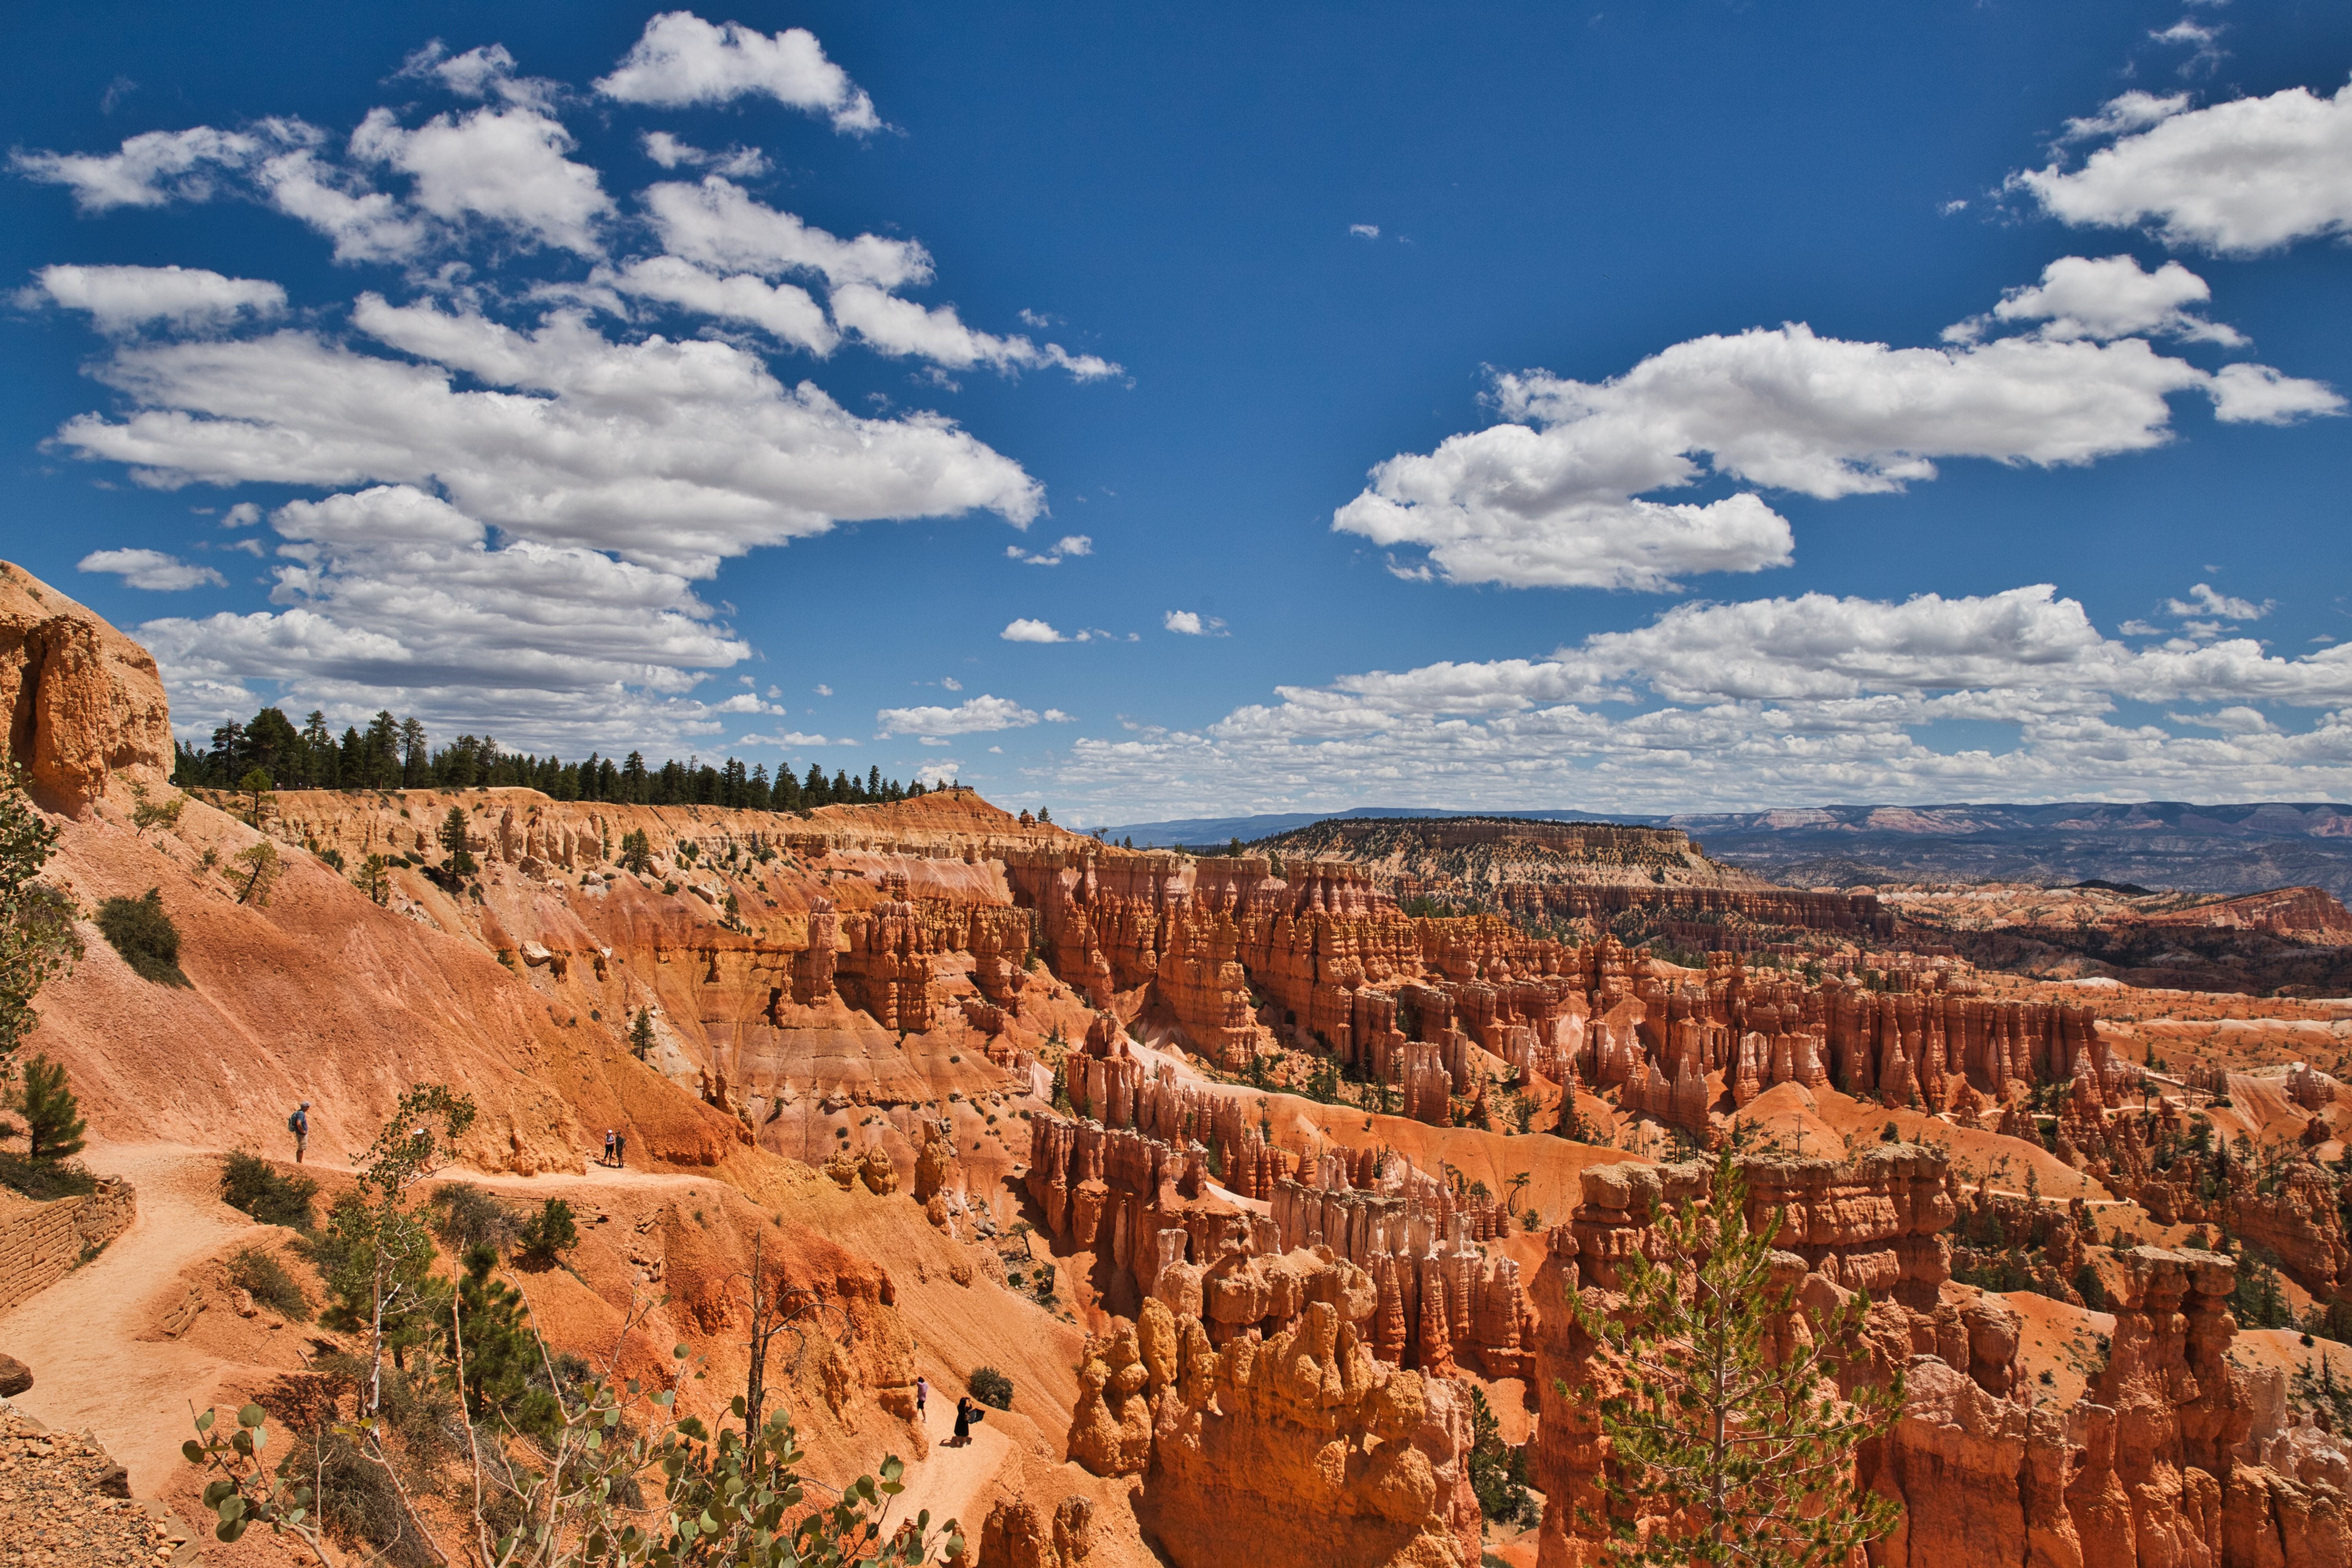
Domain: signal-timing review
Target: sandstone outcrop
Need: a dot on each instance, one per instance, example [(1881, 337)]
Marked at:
[(1303, 1447), (83, 703)]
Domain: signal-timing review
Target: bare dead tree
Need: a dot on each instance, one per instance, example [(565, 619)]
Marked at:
[(769, 1318)]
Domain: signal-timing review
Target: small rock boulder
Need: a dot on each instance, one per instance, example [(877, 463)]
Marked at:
[(16, 1377)]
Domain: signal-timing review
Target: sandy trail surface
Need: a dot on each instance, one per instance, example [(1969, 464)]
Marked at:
[(953, 1483), (98, 1362), (83, 1336)]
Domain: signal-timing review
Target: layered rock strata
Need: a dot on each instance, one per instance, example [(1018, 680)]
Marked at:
[(1303, 1447)]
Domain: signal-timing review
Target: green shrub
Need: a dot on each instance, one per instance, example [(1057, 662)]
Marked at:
[(42, 1179), (468, 1217), (145, 935), (548, 1234), (252, 1183), (260, 1275), (990, 1386)]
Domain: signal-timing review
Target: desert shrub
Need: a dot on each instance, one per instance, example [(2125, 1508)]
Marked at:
[(42, 1179), (358, 1501), (466, 1218), (990, 1386), (548, 1234), (252, 1183), (260, 1275), (145, 935)]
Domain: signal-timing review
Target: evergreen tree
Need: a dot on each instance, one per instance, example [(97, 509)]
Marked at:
[(452, 839), (1720, 1455), (259, 791), (498, 1352), (53, 1122), (641, 1034), (637, 851), (36, 921), (318, 752), (415, 755), (377, 1257), (275, 746), (548, 1234)]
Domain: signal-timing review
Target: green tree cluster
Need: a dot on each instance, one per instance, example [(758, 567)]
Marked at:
[(394, 753)]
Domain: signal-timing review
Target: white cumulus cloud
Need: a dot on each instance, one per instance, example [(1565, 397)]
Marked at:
[(506, 165), (2205, 600), (672, 454), (1557, 495), (2238, 178), (147, 171), (682, 59), (1027, 630), (1061, 550), (787, 311), (151, 568), (901, 327), (2110, 297), (717, 225), (121, 299), (1192, 623), (1812, 698), (973, 716)]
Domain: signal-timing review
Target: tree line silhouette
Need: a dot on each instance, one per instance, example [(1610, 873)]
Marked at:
[(395, 753)]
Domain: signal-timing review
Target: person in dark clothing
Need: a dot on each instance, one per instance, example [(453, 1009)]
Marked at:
[(620, 1149), (609, 1145), (968, 1415), (299, 1124)]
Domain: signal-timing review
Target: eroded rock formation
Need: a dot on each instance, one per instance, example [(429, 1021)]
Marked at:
[(1302, 1446), (2174, 1455), (83, 703)]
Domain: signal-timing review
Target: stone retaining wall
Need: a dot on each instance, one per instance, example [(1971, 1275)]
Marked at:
[(41, 1243)]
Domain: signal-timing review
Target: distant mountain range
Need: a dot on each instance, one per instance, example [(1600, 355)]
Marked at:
[(2228, 848)]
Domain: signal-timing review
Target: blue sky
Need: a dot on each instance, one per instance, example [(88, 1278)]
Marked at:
[(1682, 407)]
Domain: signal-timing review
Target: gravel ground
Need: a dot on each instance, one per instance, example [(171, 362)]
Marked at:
[(54, 1511)]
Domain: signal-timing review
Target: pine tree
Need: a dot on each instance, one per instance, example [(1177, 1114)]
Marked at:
[(453, 839), (36, 921), (641, 1034), (1723, 1457), (53, 1120)]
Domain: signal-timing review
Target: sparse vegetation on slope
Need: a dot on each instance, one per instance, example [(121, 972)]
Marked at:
[(141, 930), (252, 1183)]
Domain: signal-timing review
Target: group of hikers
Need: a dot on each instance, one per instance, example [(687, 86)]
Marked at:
[(616, 1144), (967, 1414)]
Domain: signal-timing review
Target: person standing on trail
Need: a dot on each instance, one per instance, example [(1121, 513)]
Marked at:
[(299, 1124), (966, 1415), (609, 1146), (620, 1149), (922, 1394)]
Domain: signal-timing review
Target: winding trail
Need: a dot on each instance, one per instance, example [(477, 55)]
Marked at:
[(953, 1483), (91, 1370)]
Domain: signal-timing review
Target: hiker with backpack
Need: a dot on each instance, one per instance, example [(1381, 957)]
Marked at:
[(299, 1124), (968, 1415)]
